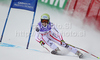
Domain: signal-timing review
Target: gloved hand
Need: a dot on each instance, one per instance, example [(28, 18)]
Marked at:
[(62, 42), (42, 43)]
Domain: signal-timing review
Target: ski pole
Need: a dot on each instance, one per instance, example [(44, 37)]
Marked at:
[(83, 50), (46, 49)]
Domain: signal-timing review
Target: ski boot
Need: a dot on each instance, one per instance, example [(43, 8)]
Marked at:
[(55, 51), (79, 54)]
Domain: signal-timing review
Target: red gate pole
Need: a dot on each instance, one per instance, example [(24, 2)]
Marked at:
[(75, 6), (90, 6)]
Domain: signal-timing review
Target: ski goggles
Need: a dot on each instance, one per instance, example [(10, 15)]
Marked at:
[(44, 21)]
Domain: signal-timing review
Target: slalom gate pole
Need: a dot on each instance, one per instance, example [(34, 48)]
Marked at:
[(31, 27), (5, 23)]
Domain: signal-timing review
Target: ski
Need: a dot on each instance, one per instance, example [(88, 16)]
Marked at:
[(84, 51)]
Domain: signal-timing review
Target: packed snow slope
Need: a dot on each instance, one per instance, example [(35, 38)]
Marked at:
[(18, 27)]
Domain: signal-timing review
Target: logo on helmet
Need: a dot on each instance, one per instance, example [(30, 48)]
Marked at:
[(45, 17)]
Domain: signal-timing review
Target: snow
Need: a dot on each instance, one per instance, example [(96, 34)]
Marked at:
[(18, 28)]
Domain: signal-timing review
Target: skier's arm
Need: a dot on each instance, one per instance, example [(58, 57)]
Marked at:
[(56, 30), (37, 35)]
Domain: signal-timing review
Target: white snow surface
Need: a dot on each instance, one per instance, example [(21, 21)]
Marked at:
[(18, 28)]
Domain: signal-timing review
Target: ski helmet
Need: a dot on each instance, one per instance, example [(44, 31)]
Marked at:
[(45, 17)]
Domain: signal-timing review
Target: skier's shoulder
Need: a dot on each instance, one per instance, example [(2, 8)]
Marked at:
[(52, 24), (39, 23)]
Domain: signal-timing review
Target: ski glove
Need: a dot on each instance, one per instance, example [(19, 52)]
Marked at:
[(42, 43), (62, 42)]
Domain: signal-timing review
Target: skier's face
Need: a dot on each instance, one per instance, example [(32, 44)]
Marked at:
[(44, 24)]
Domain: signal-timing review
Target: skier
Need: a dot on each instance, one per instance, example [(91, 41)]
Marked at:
[(48, 34)]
